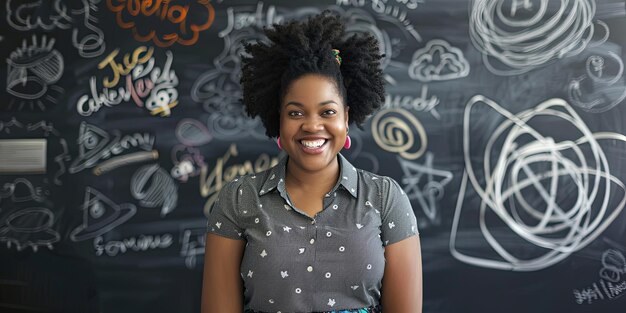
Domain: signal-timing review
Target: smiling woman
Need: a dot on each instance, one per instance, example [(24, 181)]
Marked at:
[(313, 233)]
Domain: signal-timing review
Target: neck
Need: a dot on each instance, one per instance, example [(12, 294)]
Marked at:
[(323, 180)]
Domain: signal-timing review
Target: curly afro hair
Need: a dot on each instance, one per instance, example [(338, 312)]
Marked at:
[(299, 48)]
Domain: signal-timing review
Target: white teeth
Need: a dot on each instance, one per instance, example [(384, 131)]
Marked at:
[(313, 143)]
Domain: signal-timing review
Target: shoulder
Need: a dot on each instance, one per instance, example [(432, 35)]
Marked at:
[(383, 184), (252, 181)]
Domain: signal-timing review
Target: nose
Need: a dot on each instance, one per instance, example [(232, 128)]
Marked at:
[(312, 124)]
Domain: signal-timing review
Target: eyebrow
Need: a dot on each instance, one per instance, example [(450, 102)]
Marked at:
[(298, 104)]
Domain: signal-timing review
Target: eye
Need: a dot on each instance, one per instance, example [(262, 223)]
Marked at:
[(329, 112), (294, 113)]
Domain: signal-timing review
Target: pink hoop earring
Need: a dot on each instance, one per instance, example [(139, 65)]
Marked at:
[(348, 143), (280, 147)]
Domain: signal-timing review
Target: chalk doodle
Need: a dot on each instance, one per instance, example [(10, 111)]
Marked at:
[(22, 190), (611, 281), (100, 215), (190, 132), (187, 162), (7, 126), (154, 187), (212, 183), (425, 184), (246, 17), (95, 145), (219, 91), (393, 31), (144, 83), (177, 23), (524, 181), (394, 130), (383, 6), (30, 227), (123, 160), (531, 33), (603, 87), (26, 16), (32, 71), (438, 61), (193, 241), (139, 243), (422, 103)]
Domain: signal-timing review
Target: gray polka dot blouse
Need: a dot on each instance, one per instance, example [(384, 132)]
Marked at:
[(295, 263)]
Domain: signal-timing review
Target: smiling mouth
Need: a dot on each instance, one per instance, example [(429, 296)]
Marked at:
[(313, 144)]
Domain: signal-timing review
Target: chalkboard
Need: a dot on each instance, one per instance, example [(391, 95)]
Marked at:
[(504, 122)]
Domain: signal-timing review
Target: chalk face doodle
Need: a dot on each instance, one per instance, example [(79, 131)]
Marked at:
[(602, 87), (87, 38), (30, 227), (438, 61), (523, 35), (154, 187), (100, 215), (394, 130), (425, 184), (135, 78), (32, 71), (527, 179), (178, 21), (95, 145)]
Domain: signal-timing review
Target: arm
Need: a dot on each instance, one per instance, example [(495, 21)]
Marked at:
[(402, 281), (222, 288)]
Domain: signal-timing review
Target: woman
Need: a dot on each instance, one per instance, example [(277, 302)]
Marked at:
[(313, 233)]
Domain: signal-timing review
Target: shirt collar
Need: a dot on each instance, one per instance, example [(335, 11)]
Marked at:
[(348, 176)]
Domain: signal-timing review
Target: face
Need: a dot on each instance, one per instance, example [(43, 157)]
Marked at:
[(313, 123)]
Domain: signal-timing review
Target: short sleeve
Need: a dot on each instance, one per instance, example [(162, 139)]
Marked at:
[(398, 219), (223, 217)]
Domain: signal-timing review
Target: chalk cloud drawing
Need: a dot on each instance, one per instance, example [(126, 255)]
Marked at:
[(525, 171), (25, 15), (424, 183), (395, 129), (530, 33), (32, 71), (154, 187), (438, 61), (602, 87), (30, 227), (100, 215)]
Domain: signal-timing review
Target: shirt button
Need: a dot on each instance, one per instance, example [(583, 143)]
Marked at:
[(313, 222), (312, 241), (309, 269)]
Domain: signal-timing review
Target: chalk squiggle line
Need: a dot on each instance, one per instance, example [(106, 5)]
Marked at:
[(559, 230), (522, 45)]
